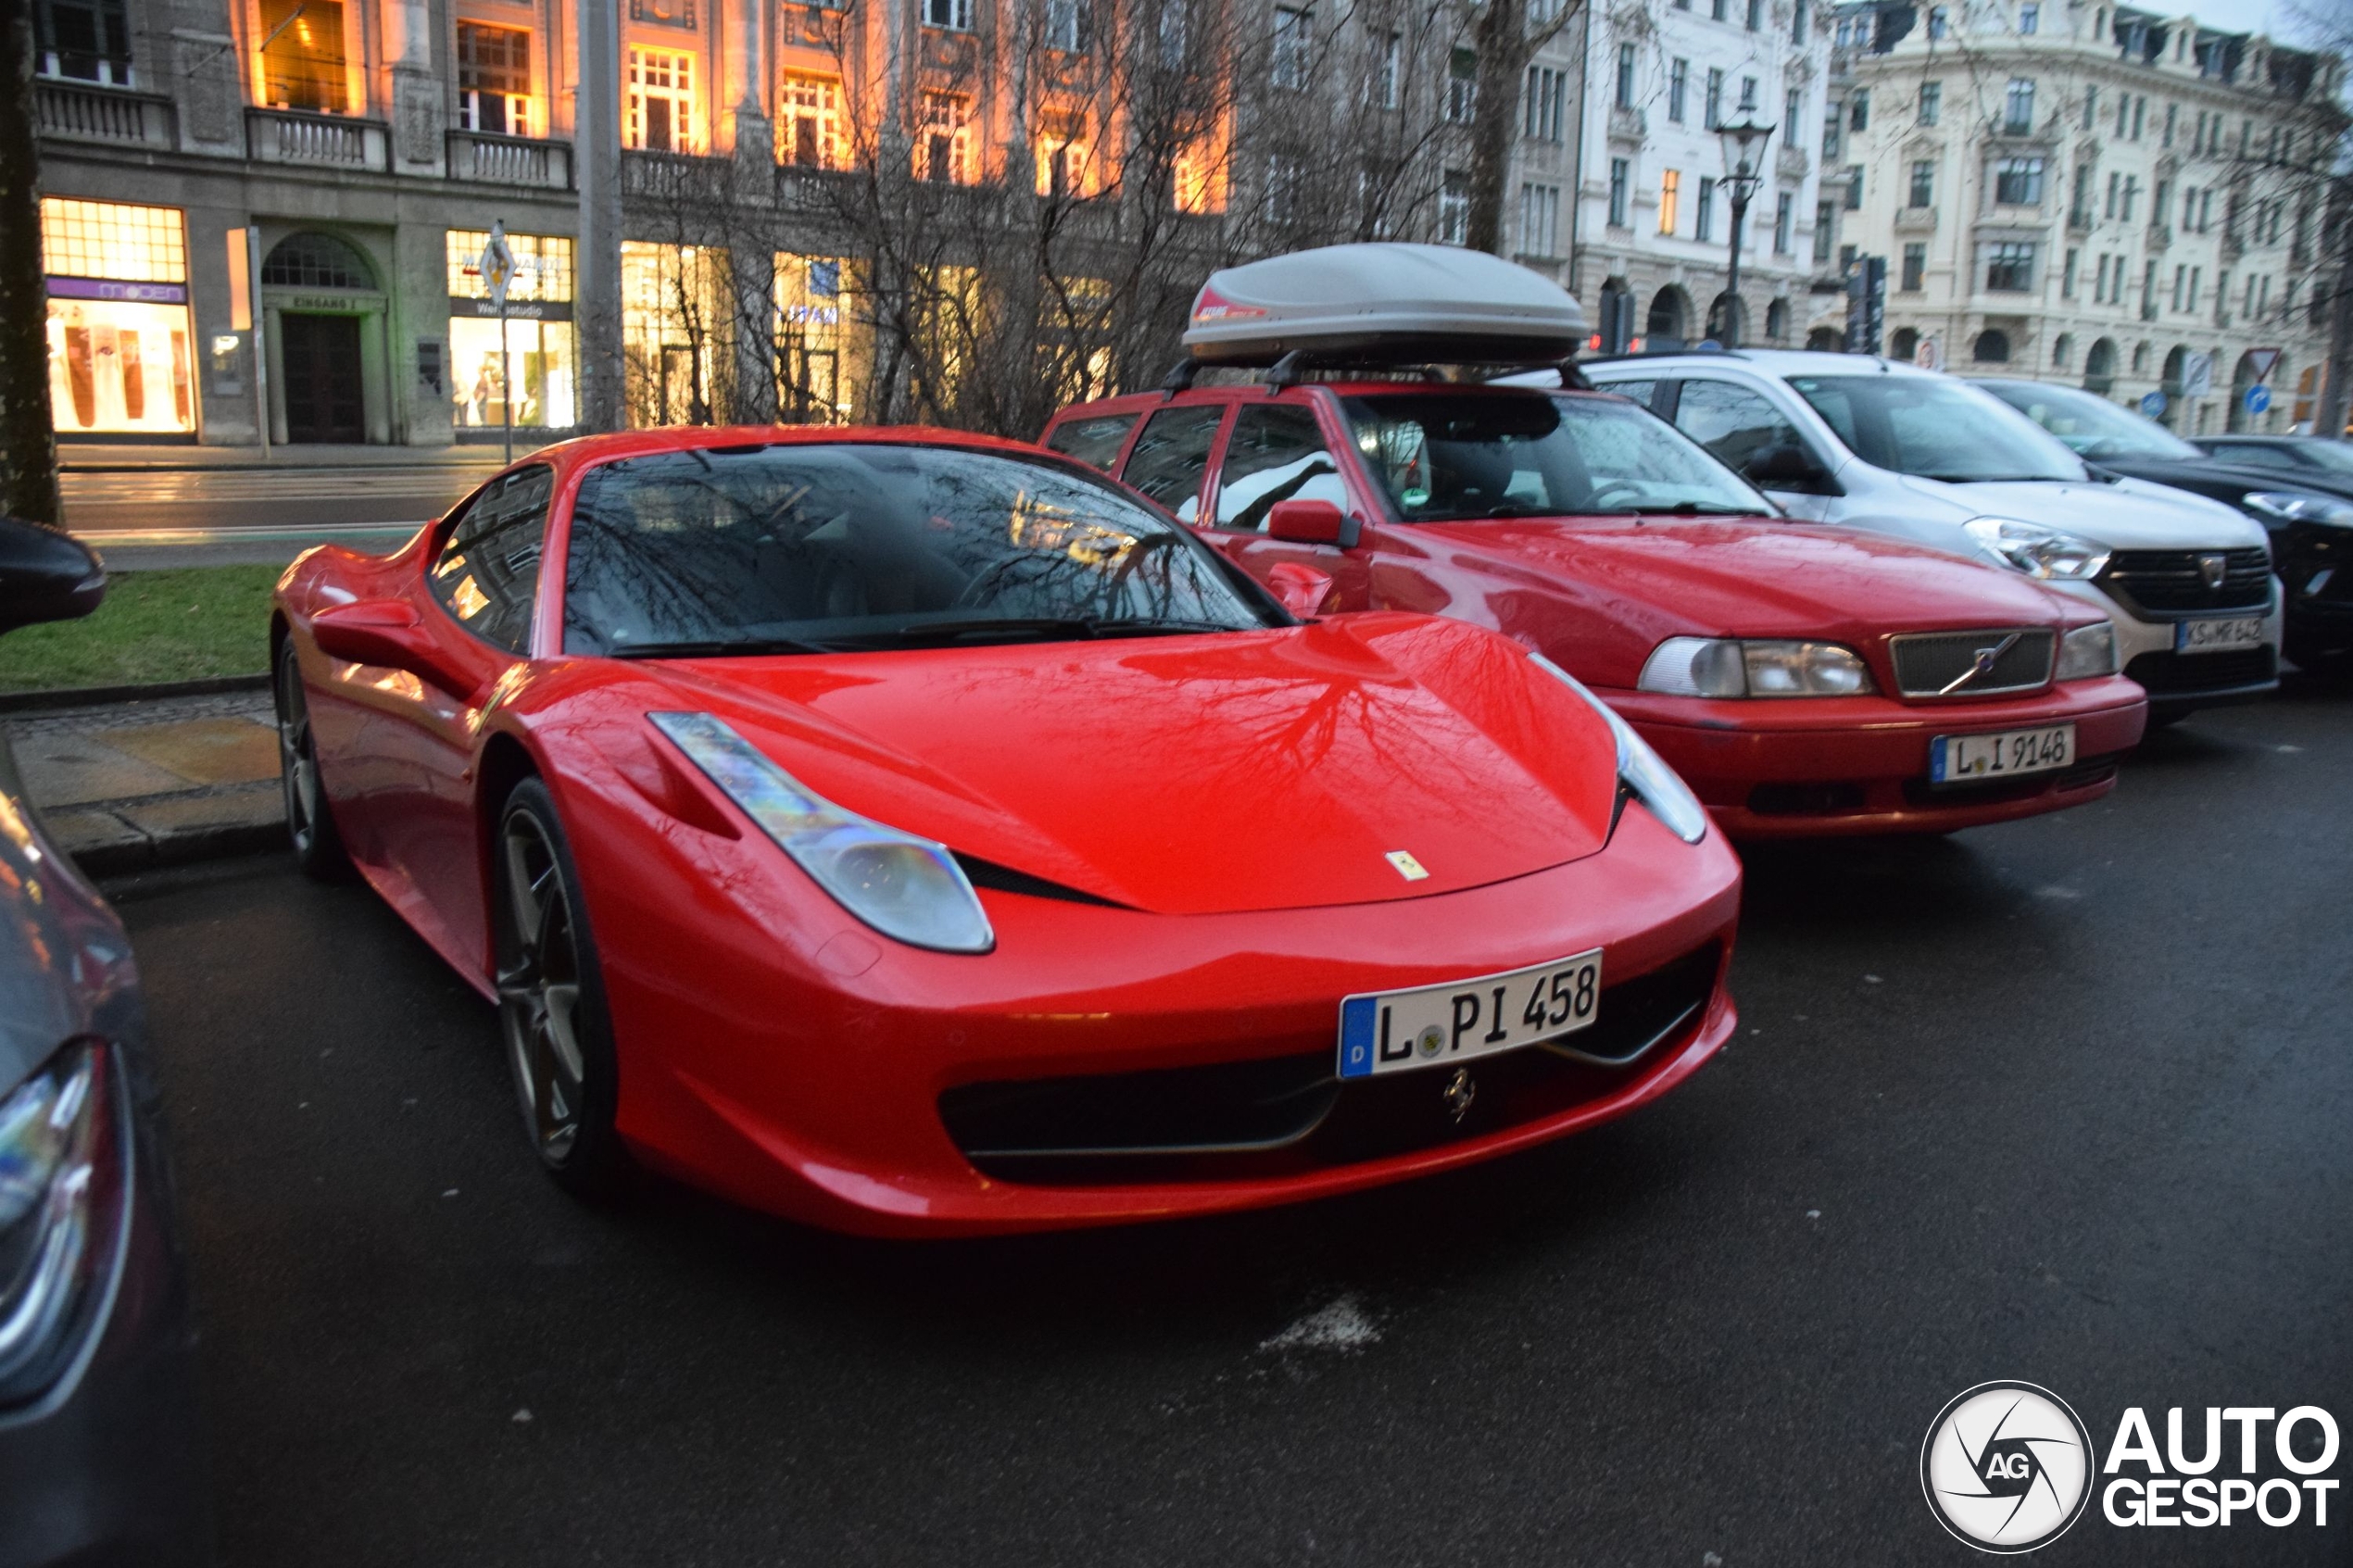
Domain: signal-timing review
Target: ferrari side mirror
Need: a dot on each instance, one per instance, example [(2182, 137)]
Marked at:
[(46, 575)]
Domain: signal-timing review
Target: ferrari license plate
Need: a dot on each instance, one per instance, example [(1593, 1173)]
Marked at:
[(1972, 758), (1398, 1031), (2218, 636)]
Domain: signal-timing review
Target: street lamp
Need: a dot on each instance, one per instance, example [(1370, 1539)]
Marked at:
[(1744, 172)]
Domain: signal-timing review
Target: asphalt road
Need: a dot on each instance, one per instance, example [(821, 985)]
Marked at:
[(214, 517), (2064, 1101)]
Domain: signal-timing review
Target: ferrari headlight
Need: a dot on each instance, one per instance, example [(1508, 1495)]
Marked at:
[(906, 887), (59, 1183), (2291, 507), (1641, 770), (2088, 651), (1725, 666), (2037, 551)]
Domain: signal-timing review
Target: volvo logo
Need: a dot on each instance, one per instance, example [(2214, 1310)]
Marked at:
[(1983, 664), (2211, 569), (1459, 1092)]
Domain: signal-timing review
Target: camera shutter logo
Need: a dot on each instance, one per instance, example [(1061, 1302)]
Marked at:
[(2006, 1467)]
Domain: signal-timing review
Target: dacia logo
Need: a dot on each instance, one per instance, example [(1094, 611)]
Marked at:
[(2211, 569)]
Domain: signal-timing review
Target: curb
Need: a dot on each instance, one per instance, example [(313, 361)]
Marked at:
[(180, 848), (93, 696)]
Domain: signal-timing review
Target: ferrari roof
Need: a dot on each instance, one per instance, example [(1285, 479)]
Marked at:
[(1384, 305)]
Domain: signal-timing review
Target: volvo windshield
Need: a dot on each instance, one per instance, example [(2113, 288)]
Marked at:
[(1454, 457), (819, 548), (1935, 428)]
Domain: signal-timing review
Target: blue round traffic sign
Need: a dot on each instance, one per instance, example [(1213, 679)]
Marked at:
[(2153, 403), (2259, 398)]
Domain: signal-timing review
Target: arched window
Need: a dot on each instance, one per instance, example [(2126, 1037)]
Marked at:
[(2062, 351), (1826, 340), (2141, 357), (1722, 319), (317, 261), (1777, 319), (2099, 366), (1670, 316), (1992, 347), (1904, 344)]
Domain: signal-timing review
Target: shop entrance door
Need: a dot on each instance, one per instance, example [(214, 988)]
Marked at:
[(322, 359)]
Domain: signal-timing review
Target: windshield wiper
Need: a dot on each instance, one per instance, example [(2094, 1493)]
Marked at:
[(1079, 626), (719, 646), (2001, 478), (1693, 509)]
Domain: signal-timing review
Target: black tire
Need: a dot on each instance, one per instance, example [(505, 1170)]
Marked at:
[(310, 821), (552, 1018)]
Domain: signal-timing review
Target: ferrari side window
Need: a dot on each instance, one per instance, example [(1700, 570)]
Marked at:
[(1172, 454), (487, 573), (1094, 442), (1276, 454)]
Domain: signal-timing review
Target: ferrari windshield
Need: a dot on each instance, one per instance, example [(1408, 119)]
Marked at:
[(1454, 457), (1934, 427), (805, 547), (2092, 426)]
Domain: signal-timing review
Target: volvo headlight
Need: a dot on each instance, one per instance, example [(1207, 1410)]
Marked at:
[(60, 1194), (1641, 770), (1728, 667), (906, 887), (2037, 551), (2088, 651), (2292, 506)]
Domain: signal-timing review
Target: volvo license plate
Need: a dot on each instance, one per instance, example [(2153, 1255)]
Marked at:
[(1974, 758)]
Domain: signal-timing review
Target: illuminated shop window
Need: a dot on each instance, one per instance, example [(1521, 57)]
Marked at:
[(811, 326), (674, 313), (540, 357), (493, 79), (82, 239), (121, 354), (302, 55), (543, 266)]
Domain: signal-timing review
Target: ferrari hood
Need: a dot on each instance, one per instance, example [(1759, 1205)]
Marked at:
[(1669, 577), (1198, 775)]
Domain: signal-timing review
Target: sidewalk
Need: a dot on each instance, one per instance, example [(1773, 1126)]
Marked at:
[(139, 457), (124, 786)]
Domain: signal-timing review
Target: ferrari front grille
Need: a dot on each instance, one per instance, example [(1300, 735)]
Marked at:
[(1291, 1114), (1965, 664)]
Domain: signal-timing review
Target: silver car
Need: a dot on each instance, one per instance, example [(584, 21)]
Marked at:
[(1843, 438)]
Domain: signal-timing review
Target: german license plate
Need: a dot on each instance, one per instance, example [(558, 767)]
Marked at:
[(1398, 1031), (2218, 636), (1969, 758)]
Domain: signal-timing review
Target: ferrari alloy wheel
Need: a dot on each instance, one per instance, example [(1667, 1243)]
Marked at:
[(309, 824), (550, 1004)]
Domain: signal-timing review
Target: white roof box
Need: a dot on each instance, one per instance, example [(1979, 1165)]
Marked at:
[(1384, 305)]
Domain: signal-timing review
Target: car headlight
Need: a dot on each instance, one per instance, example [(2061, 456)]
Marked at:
[(907, 887), (2290, 507), (2087, 651), (1728, 667), (1641, 770), (2037, 551), (60, 1187)]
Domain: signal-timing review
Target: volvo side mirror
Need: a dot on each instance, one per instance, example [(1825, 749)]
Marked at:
[(46, 575), (1310, 523)]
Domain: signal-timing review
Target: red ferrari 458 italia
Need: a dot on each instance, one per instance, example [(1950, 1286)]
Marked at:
[(916, 834)]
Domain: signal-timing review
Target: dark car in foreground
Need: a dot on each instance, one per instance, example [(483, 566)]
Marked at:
[(2299, 489), (98, 1458)]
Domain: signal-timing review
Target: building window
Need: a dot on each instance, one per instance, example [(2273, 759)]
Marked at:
[(1797, 21), (809, 122), (122, 355), (85, 40), (1713, 111), (494, 78), (1825, 224), (1858, 110), (317, 261), (1070, 26), (2018, 107), (1625, 76), (668, 12), (2030, 18), (1792, 116), (1785, 222), (810, 386), (1669, 190), (1453, 208), (1833, 122), (1294, 38), (1704, 213), (1854, 187), (302, 61), (1748, 96), (672, 299), (1931, 102), (1176, 37), (2062, 351), (2010, 266), (538, 356), (1539, 218), (1923, 183), (943, 141), (1755, 15), (1992, 347), (1720, 9), (1940, 22), (1062, 157), (2017, 181), (1388, 62), (2067, 275), (1285, 175), (952, 15), (1545, 109), (661, 101), (1678, 89), (1914, 268), (1619, 174), (1462, 86)]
